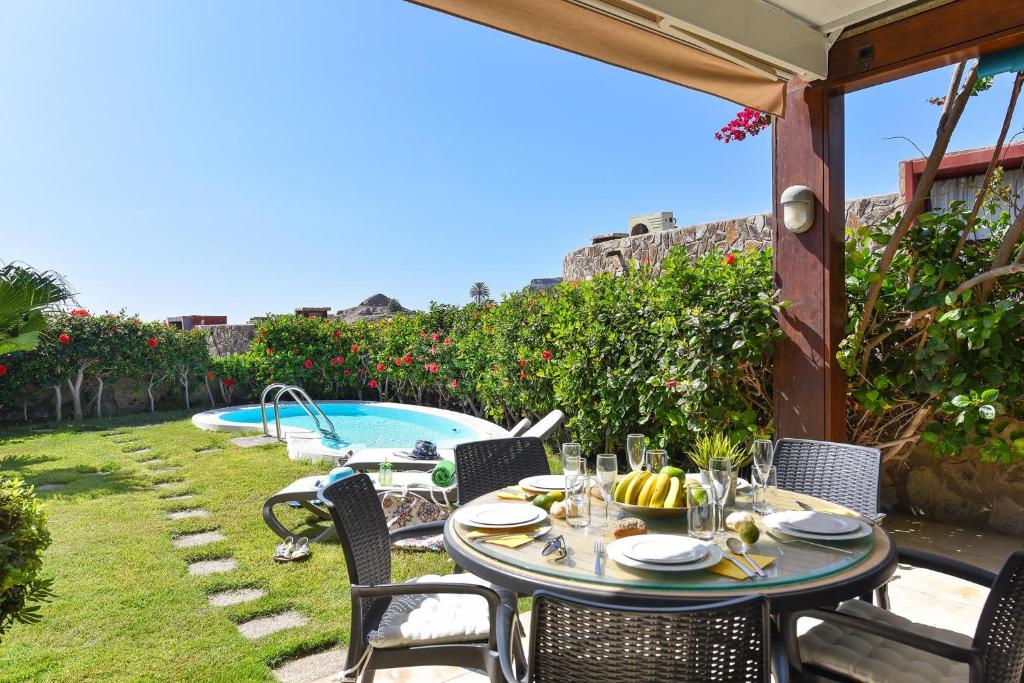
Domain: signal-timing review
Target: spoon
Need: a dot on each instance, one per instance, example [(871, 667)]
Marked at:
[(737, 546)]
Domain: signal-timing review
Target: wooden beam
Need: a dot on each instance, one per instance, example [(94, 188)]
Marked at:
[(946, 34), (808, 149)]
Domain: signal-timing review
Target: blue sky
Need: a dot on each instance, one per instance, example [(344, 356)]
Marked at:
[(245, 157)]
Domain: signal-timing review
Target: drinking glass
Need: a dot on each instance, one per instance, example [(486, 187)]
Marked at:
[(607, 469), (763, 454), (577, 498), (700, 511), (635, 450), (767, 483), (655, 459), (720, 478), (570, 450)]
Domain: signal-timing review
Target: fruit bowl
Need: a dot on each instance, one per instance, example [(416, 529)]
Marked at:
[(653, 513), (652, 495)]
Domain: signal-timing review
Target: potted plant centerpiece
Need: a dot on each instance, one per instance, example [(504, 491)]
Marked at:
[(718, 445)]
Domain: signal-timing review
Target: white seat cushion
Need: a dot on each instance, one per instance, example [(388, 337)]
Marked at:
[(864, 657), (433, 618)]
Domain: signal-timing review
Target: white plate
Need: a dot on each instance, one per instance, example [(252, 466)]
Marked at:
[(544, 482), (502, 515), (615, 552), (819, 523), (665, 549), (774, 522)]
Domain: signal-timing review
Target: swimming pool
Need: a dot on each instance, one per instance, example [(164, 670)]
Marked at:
[(363, 423)]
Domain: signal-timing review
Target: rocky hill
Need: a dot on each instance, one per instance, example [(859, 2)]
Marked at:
[(374, 308)]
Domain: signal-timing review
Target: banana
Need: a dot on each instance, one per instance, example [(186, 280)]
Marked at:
[(623, 486), (647, 493), (661, 485), (672, 498), (635, 486)]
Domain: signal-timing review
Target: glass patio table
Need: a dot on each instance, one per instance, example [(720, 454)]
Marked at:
[(802, 576)]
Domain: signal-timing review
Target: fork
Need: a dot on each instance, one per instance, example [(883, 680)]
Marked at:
[(783, 541), (598, 555)]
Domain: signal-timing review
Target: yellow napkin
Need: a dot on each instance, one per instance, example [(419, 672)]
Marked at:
[(522, 537), (729, 570), (514, 493)]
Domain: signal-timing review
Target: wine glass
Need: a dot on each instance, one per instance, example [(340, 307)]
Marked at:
[(763, 455), (607, 469), (635, 450), (570, 450), (720, 478)]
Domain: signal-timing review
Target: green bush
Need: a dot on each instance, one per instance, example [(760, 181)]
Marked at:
[(23, 538)]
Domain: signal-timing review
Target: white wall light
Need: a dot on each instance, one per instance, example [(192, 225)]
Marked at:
[(797, 208)]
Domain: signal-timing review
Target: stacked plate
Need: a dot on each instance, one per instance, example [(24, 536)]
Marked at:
[(821, 526), (500, 515), (664, 553), (544, 483)]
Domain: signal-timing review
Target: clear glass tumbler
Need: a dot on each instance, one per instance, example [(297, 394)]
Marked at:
[(570, 450), (577, 498), (765, 487), (701, 511)]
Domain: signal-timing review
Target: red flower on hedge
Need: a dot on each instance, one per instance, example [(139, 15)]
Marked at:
[(380, 367), (729, 259), (433, 368), (546, 355), (522, 362), (3, 369), (210, 375), (455, 383), (347, 372), (307, 364), (355, 348), (372, 384), (152, 342), (490, 304), (671, 383), (407, 360), (447, 341), (337, 334), (434, 336), (423, 333), (270, 351), (79, 313), (522, 375), (398, 362), (229, 382), (64, 338)]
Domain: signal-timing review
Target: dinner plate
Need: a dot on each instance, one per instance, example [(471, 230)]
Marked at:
[(665, 549), (812, 522), (544, 482), (501, 515), (616, 552), (775, 523)]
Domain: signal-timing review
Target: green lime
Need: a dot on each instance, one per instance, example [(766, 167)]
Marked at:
[(544, 501), (556, 495), (700, 497), (748, 532)]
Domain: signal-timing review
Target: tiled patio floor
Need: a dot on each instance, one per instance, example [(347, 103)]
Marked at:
[(918, 594)]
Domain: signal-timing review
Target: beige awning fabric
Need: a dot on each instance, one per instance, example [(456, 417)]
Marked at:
[(576, 28)]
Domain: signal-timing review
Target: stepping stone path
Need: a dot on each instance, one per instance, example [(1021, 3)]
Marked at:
[(235, 596), (313, 667), (168, 484), (165, 470), (183, 496), (150, 461), (42, 488), (264, 626), (206, 567), (250, 441), (187, 514), (208, 450), (195, 540), (141, 450)]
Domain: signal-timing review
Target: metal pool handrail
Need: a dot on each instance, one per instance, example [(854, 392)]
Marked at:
[(263, 405), (301, 398)]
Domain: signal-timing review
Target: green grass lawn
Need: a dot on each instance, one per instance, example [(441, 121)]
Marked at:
[(126, 608)]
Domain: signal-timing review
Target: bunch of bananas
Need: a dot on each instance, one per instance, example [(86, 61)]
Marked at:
[(667, 489)]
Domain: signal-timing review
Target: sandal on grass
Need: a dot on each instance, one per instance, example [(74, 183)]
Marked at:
[(301, 550), (283, 553)]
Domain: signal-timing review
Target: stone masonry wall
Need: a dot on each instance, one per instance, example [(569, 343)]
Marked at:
[(748, 232), (227, 339)]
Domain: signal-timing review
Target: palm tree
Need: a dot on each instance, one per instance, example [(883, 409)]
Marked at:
[(26, 295), (480, 292)]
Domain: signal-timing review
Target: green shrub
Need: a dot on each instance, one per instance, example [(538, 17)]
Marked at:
[(23, 538)]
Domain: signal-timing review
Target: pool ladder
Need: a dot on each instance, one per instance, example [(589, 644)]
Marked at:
[(302, 399)]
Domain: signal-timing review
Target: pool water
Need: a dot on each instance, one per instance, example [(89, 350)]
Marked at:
[(371, 425)]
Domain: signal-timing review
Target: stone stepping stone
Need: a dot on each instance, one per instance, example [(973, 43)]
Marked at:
[(315, 667), (263, 626), (187, 514), (206, 567), (165, 470), (183, 496), (194, 540), (43, 488), (235, 596), (125, 441), (140, 451), (250, 441), (168, 484), (208, 450), (151, 461)]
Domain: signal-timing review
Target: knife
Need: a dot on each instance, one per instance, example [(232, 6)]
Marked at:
[(739, 565), (864, 518)]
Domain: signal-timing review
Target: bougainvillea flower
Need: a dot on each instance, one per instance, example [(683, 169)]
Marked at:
[(730, 259), (3, 369), (748, 122), (372, 384), (307, 364), (355, 348), (80, 313), (229, 382), (455, 383), (546, 355), (64, 338), (380, 367), (522, 362)]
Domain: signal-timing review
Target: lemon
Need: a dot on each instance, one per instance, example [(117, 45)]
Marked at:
[(556, 495), (748, 532), (544, 501)]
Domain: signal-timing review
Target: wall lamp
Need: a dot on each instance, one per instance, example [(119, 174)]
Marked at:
[(797, 208)]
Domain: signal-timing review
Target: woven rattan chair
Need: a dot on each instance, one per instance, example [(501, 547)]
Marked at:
[(861, 642), (837, 472), (492, 464), (378, 605), (573, 641)]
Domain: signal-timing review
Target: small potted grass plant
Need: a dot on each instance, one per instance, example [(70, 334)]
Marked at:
[(718, 445)]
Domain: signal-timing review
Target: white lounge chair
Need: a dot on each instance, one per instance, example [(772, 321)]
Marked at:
[(546, 426), (520, 427)]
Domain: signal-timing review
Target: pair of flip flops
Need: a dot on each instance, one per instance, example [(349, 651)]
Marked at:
[(292, 550)]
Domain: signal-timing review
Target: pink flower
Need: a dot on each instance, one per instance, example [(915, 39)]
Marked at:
[(432, 368), (423, 333), (455, 383), (671, 383), (372, 384), (434, 336), (307, 364)]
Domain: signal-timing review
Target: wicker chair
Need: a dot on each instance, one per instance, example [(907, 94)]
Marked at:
[(492, 464), (577, 641), (378, 605), (837, 472), (861, 642)]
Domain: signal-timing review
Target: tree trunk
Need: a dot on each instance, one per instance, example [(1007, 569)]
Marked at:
[(149, 392), (183, 378), (76, 393), (24, 410), (209, 392), (58, 400), (99, 395)]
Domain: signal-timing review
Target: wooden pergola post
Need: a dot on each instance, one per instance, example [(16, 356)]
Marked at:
[(807, 149)]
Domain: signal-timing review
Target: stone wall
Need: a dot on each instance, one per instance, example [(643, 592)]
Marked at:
[(748, 232), (227, 339)]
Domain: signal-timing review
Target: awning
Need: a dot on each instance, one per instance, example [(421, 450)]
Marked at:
[(637, 38)]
